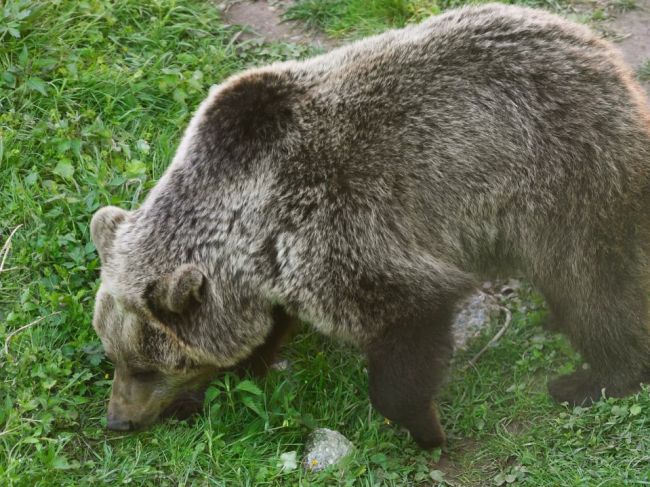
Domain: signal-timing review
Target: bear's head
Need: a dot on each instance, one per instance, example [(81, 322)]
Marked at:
[(160, 329)]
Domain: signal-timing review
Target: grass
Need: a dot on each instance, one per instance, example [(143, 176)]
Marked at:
[(643, 73), (339, 18), (347, 19), (358, 18), (93, 98)]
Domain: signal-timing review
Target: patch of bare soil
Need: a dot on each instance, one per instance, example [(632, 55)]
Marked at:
[(263, 19), (631, 32), (633, 27), (455, 470)]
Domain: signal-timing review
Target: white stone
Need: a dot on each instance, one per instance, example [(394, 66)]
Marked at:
[(325, 447)]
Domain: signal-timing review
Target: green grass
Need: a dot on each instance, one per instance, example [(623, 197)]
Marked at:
[(358, 18), (347, 19), (643, 73), (93, 98), (339, 18)]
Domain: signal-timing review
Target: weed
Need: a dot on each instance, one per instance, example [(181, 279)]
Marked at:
[(643, 73)]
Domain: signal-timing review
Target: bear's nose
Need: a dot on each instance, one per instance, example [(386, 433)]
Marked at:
[(116, 424)]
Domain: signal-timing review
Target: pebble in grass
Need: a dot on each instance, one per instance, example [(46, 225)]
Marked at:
[(474, 314), (325, 447), (281, 365)]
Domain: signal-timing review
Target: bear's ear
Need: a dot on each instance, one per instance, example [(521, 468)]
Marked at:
[(176, 294), (103, 227)]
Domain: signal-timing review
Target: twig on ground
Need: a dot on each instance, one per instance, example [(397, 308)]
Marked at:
[(89, 446), (233, 40), (23, 328), (6, 247), (494, 339), (7, 431)]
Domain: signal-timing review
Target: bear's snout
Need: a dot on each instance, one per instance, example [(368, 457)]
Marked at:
[(134, 403), (119, 424), (119, 419)]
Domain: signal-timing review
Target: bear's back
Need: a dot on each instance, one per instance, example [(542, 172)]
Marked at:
[(474, 130), (476, 100)]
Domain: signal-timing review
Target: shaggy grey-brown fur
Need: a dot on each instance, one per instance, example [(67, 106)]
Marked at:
[(365, 190)]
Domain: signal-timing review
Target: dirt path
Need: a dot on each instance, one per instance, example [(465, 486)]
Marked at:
[(631, 31), (263, 18)]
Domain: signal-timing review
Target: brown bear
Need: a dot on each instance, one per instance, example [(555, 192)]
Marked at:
[(365, 191)]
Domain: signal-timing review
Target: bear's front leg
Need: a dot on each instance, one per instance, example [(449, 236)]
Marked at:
[(261, 359), (406, 366)]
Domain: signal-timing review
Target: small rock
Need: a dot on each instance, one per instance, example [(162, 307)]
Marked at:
[(474, 314), (288, 461), (325, 447), (281, 365)]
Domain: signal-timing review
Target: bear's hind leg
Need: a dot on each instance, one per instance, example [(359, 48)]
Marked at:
[(406, 366), (607, 323)]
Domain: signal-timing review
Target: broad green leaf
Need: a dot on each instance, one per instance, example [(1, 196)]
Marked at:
[(248, 386), (64, 169), (37, 84)]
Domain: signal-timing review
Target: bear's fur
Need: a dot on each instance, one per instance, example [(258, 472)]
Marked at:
[(366, 190)]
